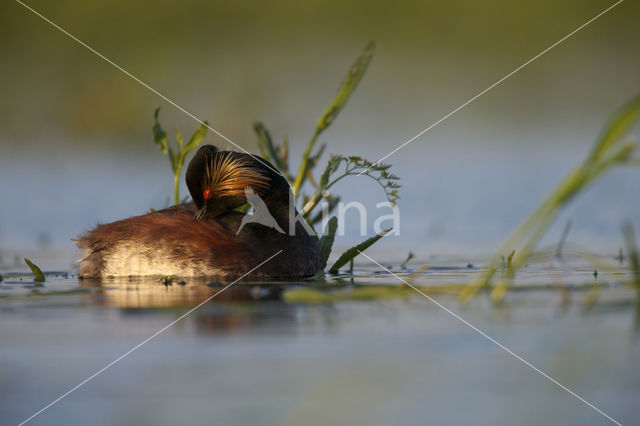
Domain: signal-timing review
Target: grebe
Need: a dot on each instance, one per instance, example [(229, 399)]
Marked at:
[(207, 237)]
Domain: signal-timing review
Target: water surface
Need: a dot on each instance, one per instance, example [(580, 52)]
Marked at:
[(249, 356)]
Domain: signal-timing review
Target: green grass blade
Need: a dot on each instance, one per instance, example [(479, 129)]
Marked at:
[(38, 276), (354, 251), (196, 138), (173, 159), (159, 135), (179, 139), (326, 242), (347, 87), (345, 90), (618, 126), (608, 152)]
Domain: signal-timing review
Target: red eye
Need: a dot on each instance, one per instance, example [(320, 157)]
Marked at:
[(206, 193)]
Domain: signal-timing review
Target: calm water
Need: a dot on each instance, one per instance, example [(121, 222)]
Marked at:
[(250, 357)]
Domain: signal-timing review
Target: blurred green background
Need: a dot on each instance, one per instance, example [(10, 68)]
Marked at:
[(234, 62), (75, 138)]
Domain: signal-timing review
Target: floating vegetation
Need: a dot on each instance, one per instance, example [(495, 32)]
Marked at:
[(38, 276), (333, 293), (354, 293), (404, 264), (608, 151)]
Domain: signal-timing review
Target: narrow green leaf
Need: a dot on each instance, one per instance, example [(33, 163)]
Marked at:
[(354, 251), (38, 276), (347, 87), (173, 160), (326, 242), (618, 126), (196, 138), (267, 148), (159, 136), (243, 208), (179, 139), (610, 150)]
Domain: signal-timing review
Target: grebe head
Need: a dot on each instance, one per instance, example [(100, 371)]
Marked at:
[(217, 180)]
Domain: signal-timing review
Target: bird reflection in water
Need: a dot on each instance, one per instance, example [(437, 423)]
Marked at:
[(233, 307)]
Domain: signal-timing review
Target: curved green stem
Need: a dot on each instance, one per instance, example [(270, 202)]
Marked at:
[(304, 166)]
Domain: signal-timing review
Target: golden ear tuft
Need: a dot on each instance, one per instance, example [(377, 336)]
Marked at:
[(228, 174)]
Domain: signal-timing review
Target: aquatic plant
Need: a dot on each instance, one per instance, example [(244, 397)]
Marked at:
[(337, 168), (38, 276), (328, 294), (404, 264), (353, 166), (632, 253), (609, 150), (349, 84), (178, 156), (348, 255), (326, 242)]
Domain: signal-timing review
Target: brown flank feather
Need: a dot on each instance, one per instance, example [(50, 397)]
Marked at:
[(206, 244)]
